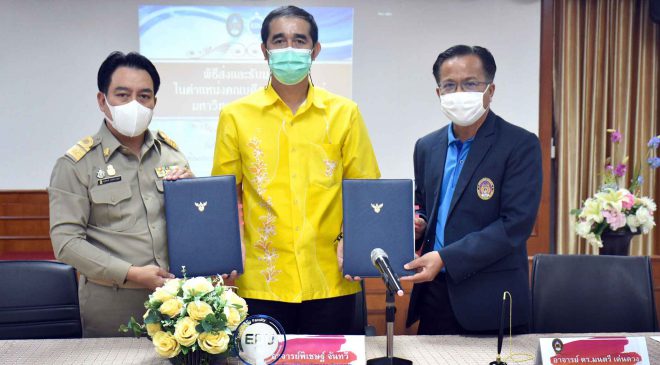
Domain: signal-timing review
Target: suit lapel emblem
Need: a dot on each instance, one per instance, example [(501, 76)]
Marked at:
[(485, 188)]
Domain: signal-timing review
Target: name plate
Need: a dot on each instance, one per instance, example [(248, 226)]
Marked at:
[(310, 349), (594, 350)]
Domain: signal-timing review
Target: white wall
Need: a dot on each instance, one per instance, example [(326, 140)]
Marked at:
[(50, 52)]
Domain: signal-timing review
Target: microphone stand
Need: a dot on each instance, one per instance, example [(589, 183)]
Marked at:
[(390, 311)]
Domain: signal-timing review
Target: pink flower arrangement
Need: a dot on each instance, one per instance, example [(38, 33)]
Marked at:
[(615, 219), (613, 207)]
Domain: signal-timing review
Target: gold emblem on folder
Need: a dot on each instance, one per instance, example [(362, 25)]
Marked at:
[(377, 207), (200, 206)]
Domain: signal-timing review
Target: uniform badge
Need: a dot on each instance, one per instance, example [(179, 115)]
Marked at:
[(161, 171), (485, 188), (164, 170), (106, 152), (100, 174), (111, 170)]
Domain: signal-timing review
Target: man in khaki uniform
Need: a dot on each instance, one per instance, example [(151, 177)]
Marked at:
[(106, 199)]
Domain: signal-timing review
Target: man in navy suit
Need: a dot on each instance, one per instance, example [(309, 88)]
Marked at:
[(478, 187)]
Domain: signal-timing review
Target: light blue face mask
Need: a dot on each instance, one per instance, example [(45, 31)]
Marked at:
[(290, 65)]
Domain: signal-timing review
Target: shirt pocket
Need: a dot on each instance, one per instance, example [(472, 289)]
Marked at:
[(324, 164), (111, 206)]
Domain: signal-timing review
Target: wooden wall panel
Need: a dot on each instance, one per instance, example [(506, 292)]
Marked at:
[(26, 244), (24, 209), (24, 225), (539, 241), (24, 197)]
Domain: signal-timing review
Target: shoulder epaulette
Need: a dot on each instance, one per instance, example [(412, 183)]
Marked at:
[(80, 149), (165, 138)]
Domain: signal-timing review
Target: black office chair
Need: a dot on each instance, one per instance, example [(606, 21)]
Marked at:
[(39, 299), (585, 293)]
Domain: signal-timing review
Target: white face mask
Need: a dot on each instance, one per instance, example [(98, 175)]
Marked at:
[(463, 108), (130, 119)]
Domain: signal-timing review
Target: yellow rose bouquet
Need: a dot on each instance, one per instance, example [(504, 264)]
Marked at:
[(191, 321)]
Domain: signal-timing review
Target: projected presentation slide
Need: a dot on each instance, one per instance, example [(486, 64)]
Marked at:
[(208, 56)]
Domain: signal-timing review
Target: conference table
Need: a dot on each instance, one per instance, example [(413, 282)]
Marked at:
[(422, 350)]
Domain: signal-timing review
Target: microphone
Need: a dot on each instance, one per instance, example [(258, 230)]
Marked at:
[(382, 263)]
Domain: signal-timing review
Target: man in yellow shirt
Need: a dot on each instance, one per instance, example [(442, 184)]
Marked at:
[(289, 146)]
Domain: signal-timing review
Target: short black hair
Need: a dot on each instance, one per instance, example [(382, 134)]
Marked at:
[(133, 60), (290, 11), (487, 60)]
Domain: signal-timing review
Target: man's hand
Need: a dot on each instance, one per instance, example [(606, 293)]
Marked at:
[(231, 276), (340, 261), (178, 173), (150, 276), (420, 228), (427, 266)]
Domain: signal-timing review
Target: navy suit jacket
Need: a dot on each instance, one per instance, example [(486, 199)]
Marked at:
[(485, 250)]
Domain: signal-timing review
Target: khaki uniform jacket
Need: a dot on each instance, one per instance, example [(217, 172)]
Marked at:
[(107, 207)]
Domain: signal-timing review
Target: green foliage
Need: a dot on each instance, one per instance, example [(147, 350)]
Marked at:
[(153, 316), (133, 325), (212, 323), (154, 306)]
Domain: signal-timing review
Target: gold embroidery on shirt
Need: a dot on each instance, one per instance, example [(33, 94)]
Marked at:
[(267, 229), (264, 242), (258, 169), (330, 167)]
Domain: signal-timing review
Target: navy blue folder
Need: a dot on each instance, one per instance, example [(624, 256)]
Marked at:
[(203, 232), (378, 214)]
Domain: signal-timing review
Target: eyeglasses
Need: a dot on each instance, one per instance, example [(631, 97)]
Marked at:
[(449, 87)]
